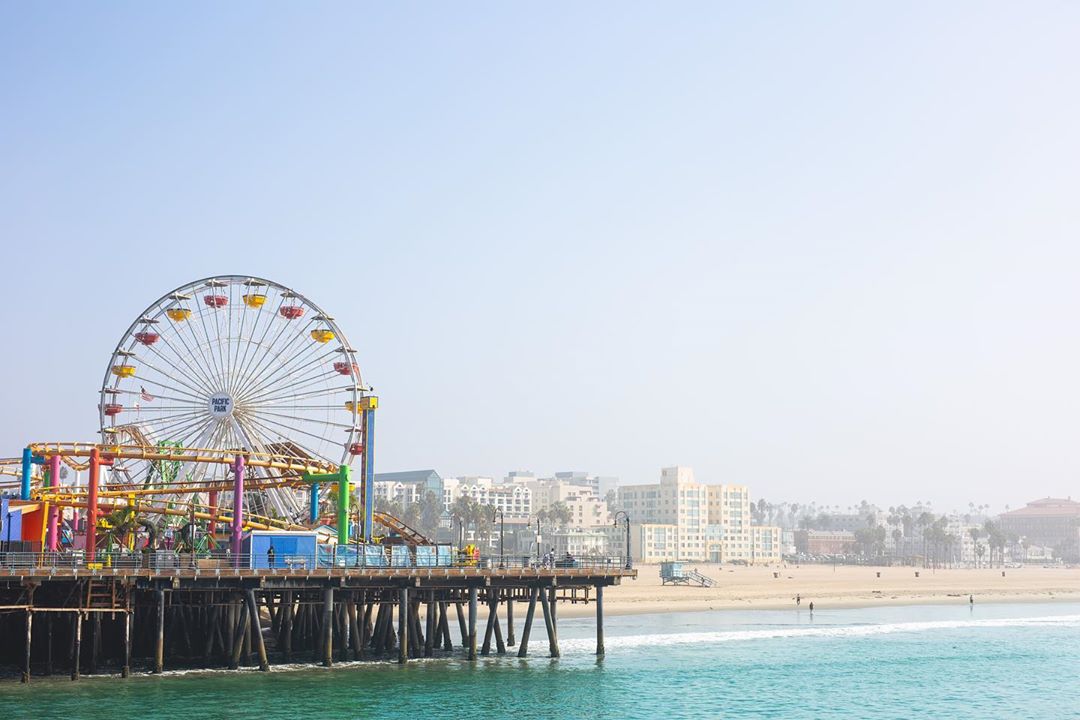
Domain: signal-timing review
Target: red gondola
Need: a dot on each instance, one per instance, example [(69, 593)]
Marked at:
[(343, 368), (216, 301), (291, 312), (147, 338), (356, 449), (112, 409)]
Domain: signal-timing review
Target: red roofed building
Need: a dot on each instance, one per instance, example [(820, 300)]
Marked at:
[(1051, 522)]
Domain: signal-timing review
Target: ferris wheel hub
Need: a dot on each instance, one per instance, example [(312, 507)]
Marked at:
[(221, 405)]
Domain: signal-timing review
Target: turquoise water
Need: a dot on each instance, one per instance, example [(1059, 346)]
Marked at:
[(990, 661)]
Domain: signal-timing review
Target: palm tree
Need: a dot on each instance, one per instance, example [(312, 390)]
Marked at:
[(975, 535)]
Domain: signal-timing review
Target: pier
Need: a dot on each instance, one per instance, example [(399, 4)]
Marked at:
[(78, 620)]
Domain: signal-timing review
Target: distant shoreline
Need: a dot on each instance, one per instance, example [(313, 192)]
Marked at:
[(756, 588)]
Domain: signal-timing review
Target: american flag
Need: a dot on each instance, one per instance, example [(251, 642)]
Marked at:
[(147, 397)]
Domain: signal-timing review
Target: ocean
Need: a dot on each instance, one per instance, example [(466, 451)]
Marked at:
[(933, 661)]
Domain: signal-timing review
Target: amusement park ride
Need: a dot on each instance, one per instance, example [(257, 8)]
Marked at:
[(220, 495), (230, 404)]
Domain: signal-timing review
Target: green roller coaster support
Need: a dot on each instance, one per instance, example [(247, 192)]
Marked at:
[(342, 479)]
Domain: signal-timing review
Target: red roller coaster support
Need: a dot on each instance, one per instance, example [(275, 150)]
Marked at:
[(92, 504)]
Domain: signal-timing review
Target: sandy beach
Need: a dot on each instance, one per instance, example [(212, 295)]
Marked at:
[(845, 586)]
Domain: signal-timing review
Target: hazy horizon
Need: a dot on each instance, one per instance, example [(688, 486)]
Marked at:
[(827, 251)]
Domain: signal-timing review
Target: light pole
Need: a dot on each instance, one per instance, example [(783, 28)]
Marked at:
[(623, 513), (502, 533), (461, 529), (538, 541)]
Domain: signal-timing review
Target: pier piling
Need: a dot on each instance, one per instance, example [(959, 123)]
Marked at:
[(523, 650), (159, 648), (510, 621), (256, 627), (29, 644), (76, 654), (600, 620), (125, 670), (403, 625), (549, 623), (472, 622), (328, 627)]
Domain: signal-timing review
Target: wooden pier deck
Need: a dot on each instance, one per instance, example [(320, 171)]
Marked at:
[(123, 619)]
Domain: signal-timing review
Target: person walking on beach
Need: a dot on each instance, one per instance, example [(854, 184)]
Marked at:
[(971, 599), (811, 606), (798, 600)]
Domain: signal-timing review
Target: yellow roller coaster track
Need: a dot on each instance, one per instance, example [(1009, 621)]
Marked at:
[(284, 463)]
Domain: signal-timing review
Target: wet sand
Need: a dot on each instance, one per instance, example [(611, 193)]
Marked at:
[(845, 586)]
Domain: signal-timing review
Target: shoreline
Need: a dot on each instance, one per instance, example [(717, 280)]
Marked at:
[(775, 588)]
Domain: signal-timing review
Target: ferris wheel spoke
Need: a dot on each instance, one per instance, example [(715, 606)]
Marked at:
[(272, 353), (277, 400), (293, 392), (300, 419), (197, 344), (172, 388), (314, 369), (266, 423), (258, 344), (303, 361), (267, 351), (210, 345), (187, 358), (160, 372), (205, 372), (136, 393), (234, 357)]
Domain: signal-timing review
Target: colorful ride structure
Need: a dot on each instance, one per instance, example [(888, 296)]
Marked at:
[(230, 404)]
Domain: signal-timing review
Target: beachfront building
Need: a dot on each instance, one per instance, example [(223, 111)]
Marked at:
[(408, 486), (1049, 522), (682, 519), (825, 542), (515, 500)]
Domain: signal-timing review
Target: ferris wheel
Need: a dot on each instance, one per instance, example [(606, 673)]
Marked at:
[(232, 363)]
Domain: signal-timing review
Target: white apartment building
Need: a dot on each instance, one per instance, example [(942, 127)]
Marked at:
[(515, 500), (681, 519)]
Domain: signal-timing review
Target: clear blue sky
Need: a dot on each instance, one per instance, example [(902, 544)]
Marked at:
[(827, 249)]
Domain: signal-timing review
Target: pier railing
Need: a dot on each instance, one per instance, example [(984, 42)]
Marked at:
[(332, 558)]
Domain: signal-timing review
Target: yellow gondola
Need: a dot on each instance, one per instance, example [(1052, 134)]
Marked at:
[(123, 371), (254, 300), (178, 314), (322, 335)]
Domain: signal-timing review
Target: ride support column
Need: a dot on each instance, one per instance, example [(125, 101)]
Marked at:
[(238, 509), (92, 504), (53, 537)]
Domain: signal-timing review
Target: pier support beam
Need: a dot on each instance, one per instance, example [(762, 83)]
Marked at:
[(490, 629), (403, 625), (256, 626), (159, 646), (472, 623), (600, 620), (76, 654), (549, 622), (328, 627), (510, 621), (431, 627), (29, 634), (125, 671), (287, 624), (239, 633), (523, 649), (444, 626), (462, 626)]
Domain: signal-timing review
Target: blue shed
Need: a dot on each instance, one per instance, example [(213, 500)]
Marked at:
[(291, 549), (10, 521)]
